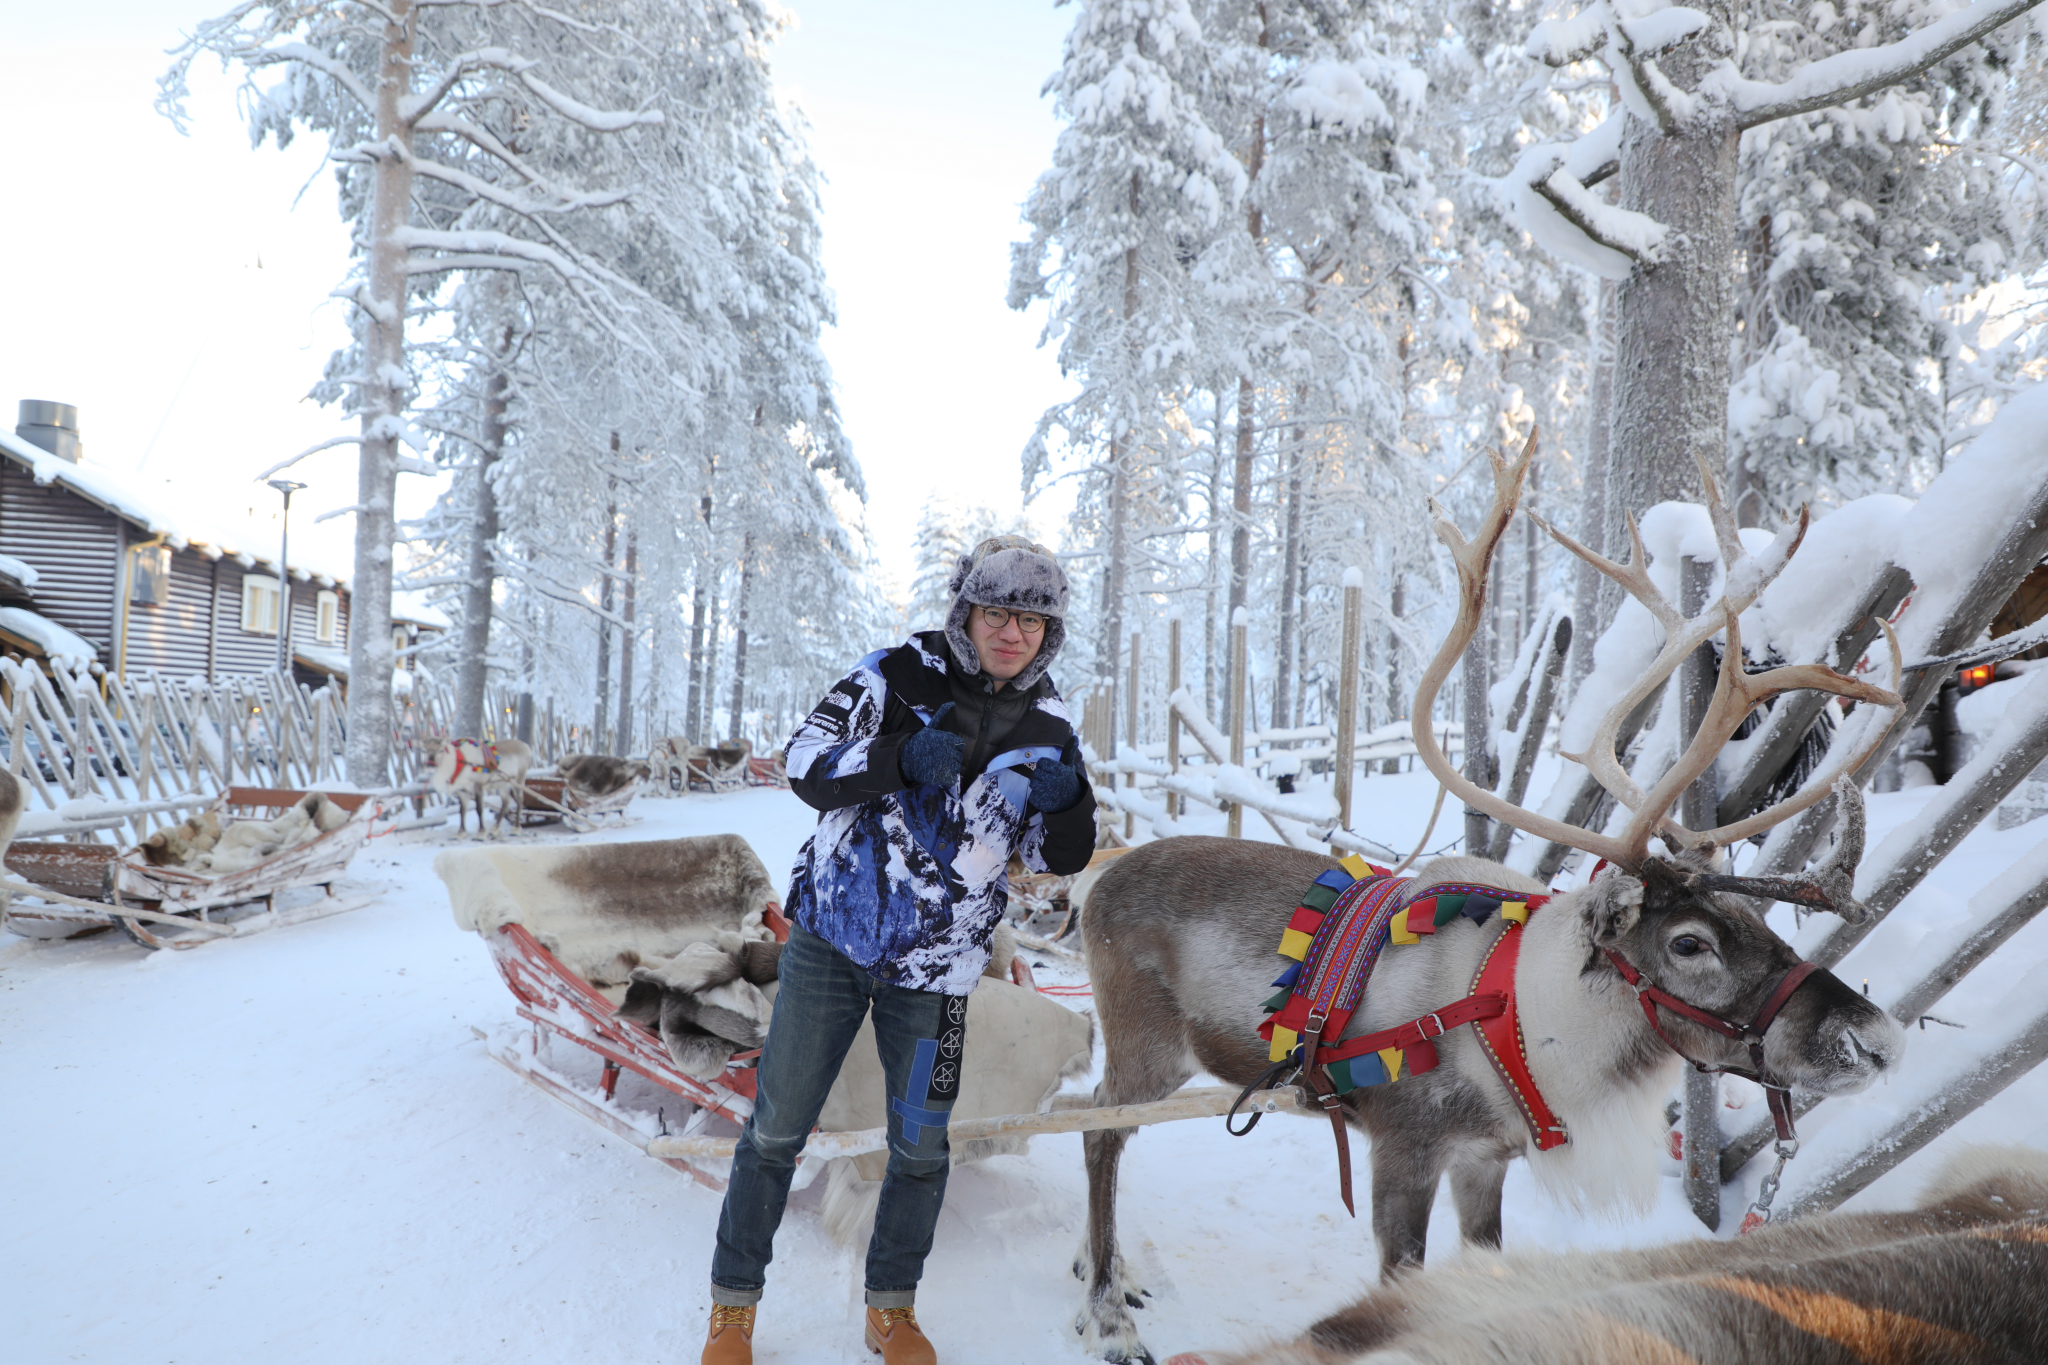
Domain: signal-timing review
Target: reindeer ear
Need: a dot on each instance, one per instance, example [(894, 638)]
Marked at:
[(1612, 906)]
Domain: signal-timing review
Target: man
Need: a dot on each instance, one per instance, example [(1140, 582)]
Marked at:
[(932, 763)]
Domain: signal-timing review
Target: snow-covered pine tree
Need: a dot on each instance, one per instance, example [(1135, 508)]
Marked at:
[(1687, 96), (414, 100), (1858, 224), (1139, 187)]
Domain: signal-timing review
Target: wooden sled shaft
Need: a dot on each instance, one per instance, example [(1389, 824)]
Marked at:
[(1201, 1103)]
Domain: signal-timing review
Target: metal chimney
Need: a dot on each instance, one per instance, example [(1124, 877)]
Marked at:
[(52, 426)]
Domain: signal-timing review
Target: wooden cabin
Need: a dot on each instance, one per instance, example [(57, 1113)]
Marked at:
[(86, 553)]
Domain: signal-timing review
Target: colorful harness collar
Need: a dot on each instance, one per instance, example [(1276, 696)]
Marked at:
[(490, 765), (1335, 937)]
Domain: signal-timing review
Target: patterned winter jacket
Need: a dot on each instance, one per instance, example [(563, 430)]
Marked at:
[(909, 880)]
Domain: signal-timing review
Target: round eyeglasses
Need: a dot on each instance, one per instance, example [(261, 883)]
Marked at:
[(1030, 622)]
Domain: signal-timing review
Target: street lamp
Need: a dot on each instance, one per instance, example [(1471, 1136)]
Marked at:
[(284, 576)]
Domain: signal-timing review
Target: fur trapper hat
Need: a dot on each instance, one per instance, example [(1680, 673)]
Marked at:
[(1008, 571)]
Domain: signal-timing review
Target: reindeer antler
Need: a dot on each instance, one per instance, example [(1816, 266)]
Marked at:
[(1472, 559), (1736, 693)]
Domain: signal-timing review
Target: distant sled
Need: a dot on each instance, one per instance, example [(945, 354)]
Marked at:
[(171, 906)]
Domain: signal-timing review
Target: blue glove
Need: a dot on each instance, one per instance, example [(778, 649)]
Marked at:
[(1054, 786), (932, 756)]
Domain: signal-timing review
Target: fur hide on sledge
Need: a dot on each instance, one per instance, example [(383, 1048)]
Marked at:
[(604, 909), (1955, 1281), (205, 844), (590, 776)]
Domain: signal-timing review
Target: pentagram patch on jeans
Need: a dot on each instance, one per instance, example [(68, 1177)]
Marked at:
[(935, 1072)]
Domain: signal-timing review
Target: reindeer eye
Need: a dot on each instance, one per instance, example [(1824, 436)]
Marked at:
[(1687, 945)]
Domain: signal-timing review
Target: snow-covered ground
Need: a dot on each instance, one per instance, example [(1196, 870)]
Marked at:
[(293, 1147)]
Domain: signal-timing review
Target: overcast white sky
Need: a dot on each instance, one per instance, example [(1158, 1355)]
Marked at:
[(168, 286)]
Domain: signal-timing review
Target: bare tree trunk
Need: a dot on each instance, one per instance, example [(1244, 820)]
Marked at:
[(1397, 607), (1241, 480), (1214, 580), (696, 715), (1675, 318), (383, 406), (624, 745), (1530, 559), (1591, 609), (739, 635), (711, 735), (1109, 646), (601, 733), (473, 668), (1283, 677)]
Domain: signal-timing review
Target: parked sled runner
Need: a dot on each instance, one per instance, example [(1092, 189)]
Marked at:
[(127, 878), (568, 927)]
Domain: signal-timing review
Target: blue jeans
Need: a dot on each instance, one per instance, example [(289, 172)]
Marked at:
[(919, 1036)]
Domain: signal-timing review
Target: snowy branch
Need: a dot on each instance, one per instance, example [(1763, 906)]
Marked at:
[(597, 120), (525, 208), (339, 512), (320, 61), (1851, 75), (1650, 80), (1577, 206), (460, 66), (315, 449)]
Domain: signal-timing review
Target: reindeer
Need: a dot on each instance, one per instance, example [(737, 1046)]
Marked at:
[(1944, 1283), (1181, 933), (469, 768)]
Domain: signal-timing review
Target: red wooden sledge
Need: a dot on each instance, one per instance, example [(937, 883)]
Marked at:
[(560, 1004)]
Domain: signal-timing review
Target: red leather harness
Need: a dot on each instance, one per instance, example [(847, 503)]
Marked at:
[(1491, 1009), (489, 766)]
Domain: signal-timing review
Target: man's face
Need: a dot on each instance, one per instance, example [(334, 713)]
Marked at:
[(1005, 650)]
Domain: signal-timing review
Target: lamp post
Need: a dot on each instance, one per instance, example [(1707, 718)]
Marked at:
[(284, 576)]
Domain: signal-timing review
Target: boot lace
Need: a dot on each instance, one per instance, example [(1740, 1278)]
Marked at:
[(905, 1315), (724, 1315)]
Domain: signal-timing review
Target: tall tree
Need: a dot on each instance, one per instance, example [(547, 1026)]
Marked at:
[(409, 96)]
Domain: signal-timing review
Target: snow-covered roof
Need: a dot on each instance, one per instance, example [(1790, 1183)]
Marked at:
[(106, 488), (414, 607), (55, 641), (21, 573), (326, 658)]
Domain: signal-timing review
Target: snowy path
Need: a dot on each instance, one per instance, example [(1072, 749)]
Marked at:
[(293, 1147)]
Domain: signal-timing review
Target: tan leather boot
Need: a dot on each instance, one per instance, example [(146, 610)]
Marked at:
[(893, 1334), (731, 1339)]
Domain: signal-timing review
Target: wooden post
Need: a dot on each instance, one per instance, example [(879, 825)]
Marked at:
[(1702, 1091), (1239, 629), (1131, 731), (1175, 804), (1347, 694), (145, 732)]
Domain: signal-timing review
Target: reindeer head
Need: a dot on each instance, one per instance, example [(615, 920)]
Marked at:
[(1714, 951), (1665, 916)]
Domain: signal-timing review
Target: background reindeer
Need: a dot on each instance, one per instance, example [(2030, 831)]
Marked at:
[(1948, 1283), (1180, 937), (468, 768)]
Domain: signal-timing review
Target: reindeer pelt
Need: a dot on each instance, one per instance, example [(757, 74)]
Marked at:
[(1954, 1281), (709, 1001), (589, 776), (204, 844)]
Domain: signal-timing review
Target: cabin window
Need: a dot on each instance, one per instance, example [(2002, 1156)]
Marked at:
[(401, 641), (327, 618), (259, 605), (149, 576)]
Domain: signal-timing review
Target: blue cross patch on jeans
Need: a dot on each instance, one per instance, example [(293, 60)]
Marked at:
[(934, 1074)]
